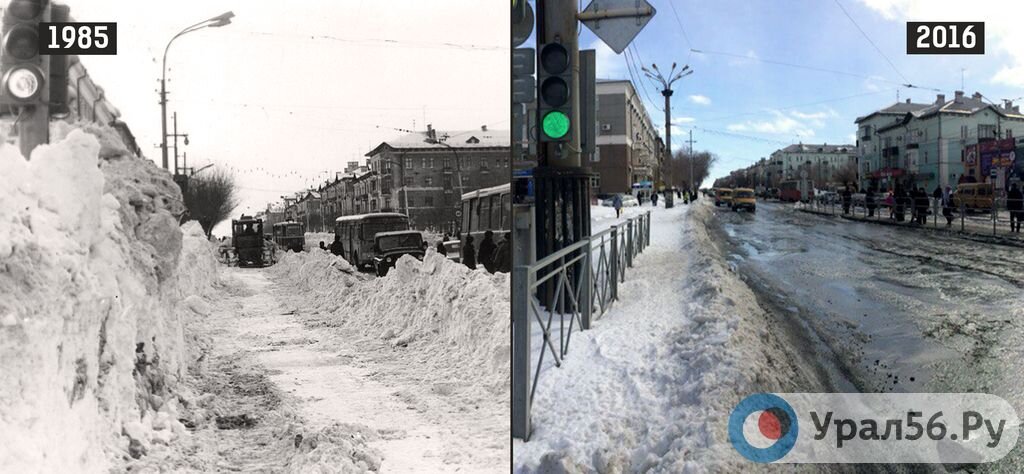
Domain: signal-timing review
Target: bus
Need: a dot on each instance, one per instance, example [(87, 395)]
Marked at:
[(289, 235), (357, 234), (795, 190), (488, 209)]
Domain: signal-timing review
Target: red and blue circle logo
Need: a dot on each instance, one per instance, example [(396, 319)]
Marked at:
[(763, 427)]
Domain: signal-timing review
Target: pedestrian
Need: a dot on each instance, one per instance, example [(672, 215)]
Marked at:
[(654, 199), (847, 199), (503, 255), (336, 247), (869, 202), (1015, 204), (679, 195), (922, 206), (440, 245), (617, 204), (323, 246), (899, 198), (947, 206), (486, 254), (469, 253)]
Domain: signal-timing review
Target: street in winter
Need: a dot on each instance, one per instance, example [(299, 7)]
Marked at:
[(769, 234), (254, 237)]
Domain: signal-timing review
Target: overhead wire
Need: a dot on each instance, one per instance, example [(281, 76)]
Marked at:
[(840, 5)]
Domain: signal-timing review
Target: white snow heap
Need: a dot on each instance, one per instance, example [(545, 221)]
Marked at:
[(454, 319), (92, 322)]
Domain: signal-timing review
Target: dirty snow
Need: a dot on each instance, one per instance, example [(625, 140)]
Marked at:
[(649, 388)]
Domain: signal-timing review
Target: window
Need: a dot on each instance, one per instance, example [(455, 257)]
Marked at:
[(465, 180), (483, 164), (447, 181), (428, 181), (428, 201), (408, 180), (430, 163), (408, 163), (447, 162), (424, 162), (481, 219)]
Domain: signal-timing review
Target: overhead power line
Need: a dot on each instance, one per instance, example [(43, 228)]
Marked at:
[(814, 68), (840, 5)]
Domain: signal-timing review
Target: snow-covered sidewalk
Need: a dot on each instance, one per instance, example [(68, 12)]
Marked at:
[(651, 385)]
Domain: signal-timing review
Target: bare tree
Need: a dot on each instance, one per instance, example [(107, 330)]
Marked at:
[(210, 198), (680, 166), (847, 174)]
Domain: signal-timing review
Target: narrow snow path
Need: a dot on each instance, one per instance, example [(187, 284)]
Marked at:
[(330, 390)]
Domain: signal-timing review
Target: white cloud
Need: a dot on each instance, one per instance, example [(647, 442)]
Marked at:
[(1002, 26), (700, 99), (793, 123), (683, 120)]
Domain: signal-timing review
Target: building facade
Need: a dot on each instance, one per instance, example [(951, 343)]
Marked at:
[(823, 164), (629, 149), (424, 174), (925, 145)]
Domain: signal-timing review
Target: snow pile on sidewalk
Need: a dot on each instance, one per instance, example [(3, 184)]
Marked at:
[(651, 385), (455, 320), (92, 322)]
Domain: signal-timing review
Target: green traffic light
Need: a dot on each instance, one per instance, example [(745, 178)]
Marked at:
[(555, 124)]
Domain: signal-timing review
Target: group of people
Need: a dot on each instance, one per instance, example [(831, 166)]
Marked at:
[(685, 195), (917, 202), (494, 256)]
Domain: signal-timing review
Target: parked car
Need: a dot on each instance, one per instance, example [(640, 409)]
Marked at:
[(743, 198)]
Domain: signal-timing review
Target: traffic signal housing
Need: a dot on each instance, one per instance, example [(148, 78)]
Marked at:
[(24, 74), (554, 83)]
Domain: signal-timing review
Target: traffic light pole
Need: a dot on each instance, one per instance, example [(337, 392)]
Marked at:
[(33, 128)]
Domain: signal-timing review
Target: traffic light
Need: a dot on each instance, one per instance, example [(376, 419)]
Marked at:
[(554, 79), (24, 74), (59, 64)]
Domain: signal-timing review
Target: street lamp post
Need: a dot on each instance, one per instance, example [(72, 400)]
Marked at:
[(666, 91), (217, 21)]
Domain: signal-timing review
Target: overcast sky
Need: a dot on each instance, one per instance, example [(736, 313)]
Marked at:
[(290, 91), (742, 104)]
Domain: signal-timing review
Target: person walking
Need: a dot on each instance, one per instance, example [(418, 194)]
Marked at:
[(503, 255), (947, 206), (847, 199), (617, 204), (1015, 204), (486, 254), (440, 245), (654, 199), (323, 246), (336, 247), (922, 206), (890, 202), (469, 253), (899, 200), (869, 202)]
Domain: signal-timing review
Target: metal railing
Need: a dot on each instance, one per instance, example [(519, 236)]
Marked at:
[(1000, 218), (576, 284)]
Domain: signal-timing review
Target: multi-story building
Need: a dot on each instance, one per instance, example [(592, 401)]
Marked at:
[(822, 164), (424, 174), (923, 145), (629, 149)]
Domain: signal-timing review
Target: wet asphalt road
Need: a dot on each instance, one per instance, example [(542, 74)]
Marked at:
[(887, 309)]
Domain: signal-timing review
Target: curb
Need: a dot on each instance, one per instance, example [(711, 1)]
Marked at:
[(968, 235)]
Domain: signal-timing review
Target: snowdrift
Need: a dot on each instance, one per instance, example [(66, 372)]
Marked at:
[(454, 319), (95, 273)]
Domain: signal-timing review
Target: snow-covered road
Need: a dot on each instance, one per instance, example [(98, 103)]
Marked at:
[(329, 388)]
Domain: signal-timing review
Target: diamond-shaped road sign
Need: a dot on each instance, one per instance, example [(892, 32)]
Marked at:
[(617, 22)]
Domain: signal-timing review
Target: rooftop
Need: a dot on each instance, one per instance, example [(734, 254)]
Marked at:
[(465, 139)]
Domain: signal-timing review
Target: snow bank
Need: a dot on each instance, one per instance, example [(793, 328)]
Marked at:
[(92, 323), (455, 319), (651, 385)]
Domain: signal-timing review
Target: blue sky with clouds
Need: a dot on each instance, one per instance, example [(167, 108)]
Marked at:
[(742, 105)]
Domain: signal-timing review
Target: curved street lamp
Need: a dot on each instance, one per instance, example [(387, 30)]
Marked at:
[(217, 21)]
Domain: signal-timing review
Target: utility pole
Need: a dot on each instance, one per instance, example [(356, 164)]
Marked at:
[(692, 179), (666, 90)]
